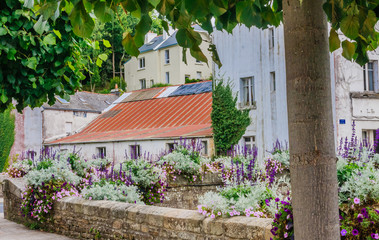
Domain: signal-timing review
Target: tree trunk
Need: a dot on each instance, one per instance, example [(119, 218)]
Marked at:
[(310, 120), (113, 63)]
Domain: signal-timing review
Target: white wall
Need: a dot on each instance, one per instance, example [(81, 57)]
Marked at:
[(54, 122), (32, 128), (246, 54), (117, 150)]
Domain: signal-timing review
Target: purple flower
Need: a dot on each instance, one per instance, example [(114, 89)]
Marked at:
[(355, 232), (343, 232), (273, 230), (357, 200), (375, 235), (277, 199)]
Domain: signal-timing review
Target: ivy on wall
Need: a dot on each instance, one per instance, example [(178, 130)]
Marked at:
[(7, 125), (228, 122)]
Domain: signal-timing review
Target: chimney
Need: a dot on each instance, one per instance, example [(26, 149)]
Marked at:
[(170, 32), (115, 91), (149, 36)]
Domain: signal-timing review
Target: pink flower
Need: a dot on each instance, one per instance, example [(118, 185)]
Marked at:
[(285, 235), (357, 200), (212, 216)]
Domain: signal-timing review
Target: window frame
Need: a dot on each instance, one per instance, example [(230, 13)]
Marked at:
[(252, 141), (199, 76), (272, 81), (101, 151), (167, 56), (371, 86), (167, 77), (271, 38), (135, 151), (142, 83), (141, 63), (249, 100)]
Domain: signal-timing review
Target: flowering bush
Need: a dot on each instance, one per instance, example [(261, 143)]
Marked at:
[(37, 201), (282, 226), (115, 191), (359, 221)]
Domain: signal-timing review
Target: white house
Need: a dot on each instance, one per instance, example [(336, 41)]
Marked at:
[(254, 60), (160, 61)]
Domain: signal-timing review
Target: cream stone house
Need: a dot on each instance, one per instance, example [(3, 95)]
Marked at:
[(160, 61)]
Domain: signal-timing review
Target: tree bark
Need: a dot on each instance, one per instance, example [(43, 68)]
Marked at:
[(113, 64), (312, 148)]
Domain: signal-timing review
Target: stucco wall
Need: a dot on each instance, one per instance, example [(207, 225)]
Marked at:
[(32, 128), (246, 53), (84, 219), (117, 150), (54, 122)]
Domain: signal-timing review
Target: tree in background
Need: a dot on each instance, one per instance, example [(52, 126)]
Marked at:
[(228, 122), (7, 124)]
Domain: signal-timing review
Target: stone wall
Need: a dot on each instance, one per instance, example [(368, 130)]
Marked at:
[(84, 219), (184, 195)]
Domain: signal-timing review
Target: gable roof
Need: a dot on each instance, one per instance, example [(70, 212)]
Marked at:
[(159, 43), (151, 117), (83, 101)]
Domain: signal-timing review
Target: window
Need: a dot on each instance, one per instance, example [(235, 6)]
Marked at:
[(204, 147), (198, 61), (249, 141), (68, 127), (141, 63), (167, 56), (370, 76), (151, 82), (271, 40), (142, 83), (369, 136), (171, 146), (272, 82), (101, 152), (134, 151), (167, 77), (247, 91), (198, 75)]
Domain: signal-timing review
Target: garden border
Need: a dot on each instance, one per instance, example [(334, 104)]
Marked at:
[(85, 219)]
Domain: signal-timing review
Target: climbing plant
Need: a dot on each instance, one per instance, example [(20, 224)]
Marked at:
[(7, 124), (228, 122)]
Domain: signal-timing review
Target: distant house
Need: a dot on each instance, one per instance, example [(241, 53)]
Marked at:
[(47, 123), (160, 61), (147, 121)]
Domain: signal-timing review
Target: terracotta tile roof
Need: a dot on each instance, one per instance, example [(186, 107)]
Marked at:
[(167, 117)]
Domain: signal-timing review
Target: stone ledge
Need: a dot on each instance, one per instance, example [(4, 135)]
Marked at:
[(86, 219)]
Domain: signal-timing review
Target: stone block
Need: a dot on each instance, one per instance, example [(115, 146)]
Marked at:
[(213, 226)]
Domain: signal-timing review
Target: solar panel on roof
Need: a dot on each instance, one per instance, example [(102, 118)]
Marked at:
[(192, 89)]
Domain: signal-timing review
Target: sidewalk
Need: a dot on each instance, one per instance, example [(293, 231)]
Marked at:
[(13, 231)]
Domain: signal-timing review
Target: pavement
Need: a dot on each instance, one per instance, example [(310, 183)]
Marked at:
[(12, 231)]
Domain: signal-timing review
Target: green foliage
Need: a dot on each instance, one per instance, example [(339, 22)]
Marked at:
[(7, 125), (356, 20), (160, 85), (193, 80), (120, 83), (228, 123), (41, 62)]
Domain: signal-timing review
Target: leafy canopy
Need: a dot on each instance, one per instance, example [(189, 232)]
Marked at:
[(38, 58), (354, 18)]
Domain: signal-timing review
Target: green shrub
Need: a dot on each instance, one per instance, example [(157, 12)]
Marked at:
[(228, 122), (120, 83), (7, 125), (160, 85)]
